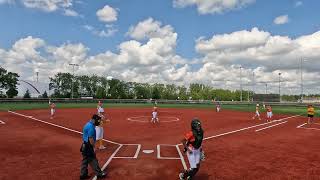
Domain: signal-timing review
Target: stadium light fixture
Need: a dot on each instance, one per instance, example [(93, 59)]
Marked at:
[(73, 65)]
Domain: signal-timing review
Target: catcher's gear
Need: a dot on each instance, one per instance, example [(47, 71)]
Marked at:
[(197, 133)]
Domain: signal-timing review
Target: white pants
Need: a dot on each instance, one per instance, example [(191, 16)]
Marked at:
[(257, 113), (154, 115), (194, 157), (52, 112), (269, 114), (218, 109), (99, 132)]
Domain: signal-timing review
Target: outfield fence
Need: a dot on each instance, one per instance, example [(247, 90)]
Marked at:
[(148, 101)]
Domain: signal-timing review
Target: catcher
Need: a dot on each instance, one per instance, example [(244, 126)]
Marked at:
[(192, 146)]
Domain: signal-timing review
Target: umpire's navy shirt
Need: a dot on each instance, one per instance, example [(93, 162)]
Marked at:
[(89, 131)]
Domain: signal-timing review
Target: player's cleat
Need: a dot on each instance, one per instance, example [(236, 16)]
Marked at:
[(181, 176), (102, 175), (102, 147)]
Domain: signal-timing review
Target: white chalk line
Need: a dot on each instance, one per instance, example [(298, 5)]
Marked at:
[(182, 158), (108, 161), (158, 152), (271, 126), (78, 132), (242, 129), (301, 126), (130, 157), (55, 125)]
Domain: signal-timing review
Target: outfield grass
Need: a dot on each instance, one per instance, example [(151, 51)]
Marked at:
[(246, 108)]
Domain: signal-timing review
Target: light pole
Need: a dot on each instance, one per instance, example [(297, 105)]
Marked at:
[(253, 85), (301, 73), (279, 86), (73, 65), (266, 88), (37, 76), (240, 83)]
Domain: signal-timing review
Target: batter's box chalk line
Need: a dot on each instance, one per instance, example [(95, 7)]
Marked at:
[(130, 157)]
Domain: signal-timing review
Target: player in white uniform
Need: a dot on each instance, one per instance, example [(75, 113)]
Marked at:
[(99, 129), (155, 115), (52, 109), (257, 114), (218, 107)]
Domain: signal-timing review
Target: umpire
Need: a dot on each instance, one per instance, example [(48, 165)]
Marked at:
[(87, 149)]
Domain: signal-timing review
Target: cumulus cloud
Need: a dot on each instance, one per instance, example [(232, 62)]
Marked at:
[(107, 14), (284, 19), (63, 6), (260, 52), (151, 57), (212, 6)]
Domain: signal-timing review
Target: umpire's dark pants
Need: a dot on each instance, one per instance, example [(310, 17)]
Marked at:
[(89, 157)]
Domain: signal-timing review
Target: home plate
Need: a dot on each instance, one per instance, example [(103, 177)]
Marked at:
[(148, 151)]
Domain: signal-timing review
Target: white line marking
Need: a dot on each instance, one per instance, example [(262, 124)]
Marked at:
[(109, 160), (2, 122), (130, 157), (158, 152), (301, 125), (311, 128), (250, 127), (182, 158), (55, 125), (271, 126), (316, 123)]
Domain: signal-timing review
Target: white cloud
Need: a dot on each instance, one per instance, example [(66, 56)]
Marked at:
[(107, 14), (108, 32), (212, 6), (151, 57), (47, 5), (281, 19), (70, 12), (298, 3)]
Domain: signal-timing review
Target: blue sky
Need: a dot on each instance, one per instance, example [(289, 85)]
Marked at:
[(20, 20), (56, 28)]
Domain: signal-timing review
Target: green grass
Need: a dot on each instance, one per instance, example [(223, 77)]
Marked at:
[(246, 108)]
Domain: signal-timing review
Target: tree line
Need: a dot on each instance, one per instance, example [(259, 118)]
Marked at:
[(61, 85), (102, 88)]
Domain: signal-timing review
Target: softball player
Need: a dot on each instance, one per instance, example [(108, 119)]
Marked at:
[(218, 107), (155, 115), (192, 146), (257, 114), (52, 109), (269, 113), (99, 128), (310, 113)]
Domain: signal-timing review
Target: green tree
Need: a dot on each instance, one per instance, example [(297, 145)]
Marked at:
[(9, 82), (44, 95), (12, 92), (27, 94)]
